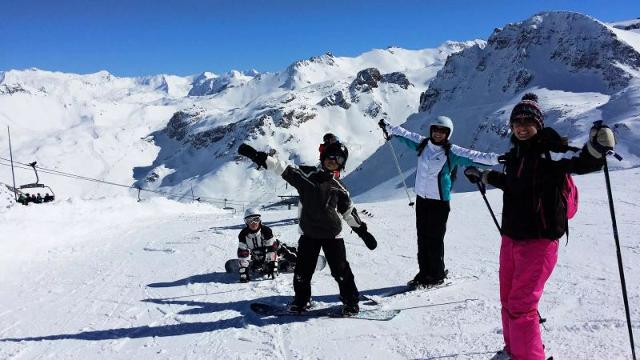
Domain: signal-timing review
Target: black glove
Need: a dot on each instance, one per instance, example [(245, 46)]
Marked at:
[(473, 174), (258, 157), (366, 236), (383, 126)]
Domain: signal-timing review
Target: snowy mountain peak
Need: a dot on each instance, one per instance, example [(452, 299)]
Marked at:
[(211, 84), (550, 50)]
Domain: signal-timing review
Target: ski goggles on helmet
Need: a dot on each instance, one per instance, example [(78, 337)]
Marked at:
[(252, 220), (337, 158)]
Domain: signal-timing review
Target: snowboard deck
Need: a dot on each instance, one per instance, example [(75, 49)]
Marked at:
[(408, 289), (333, 311), (232, 266)]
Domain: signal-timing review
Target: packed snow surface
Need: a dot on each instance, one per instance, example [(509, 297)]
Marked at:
[(118, 279)]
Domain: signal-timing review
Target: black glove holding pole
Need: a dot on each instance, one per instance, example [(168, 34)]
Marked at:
[(258, 157), (366, 236), (473, 174)]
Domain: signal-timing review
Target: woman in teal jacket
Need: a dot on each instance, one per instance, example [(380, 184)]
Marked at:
[(437, 161)]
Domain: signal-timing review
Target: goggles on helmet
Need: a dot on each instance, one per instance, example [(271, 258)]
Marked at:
[(252, 220)]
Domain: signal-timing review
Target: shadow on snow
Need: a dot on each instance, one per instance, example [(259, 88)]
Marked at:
[(247, 317)]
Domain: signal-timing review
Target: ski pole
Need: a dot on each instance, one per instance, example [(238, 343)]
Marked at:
[(395, 158), (617, 241), (483, 191)]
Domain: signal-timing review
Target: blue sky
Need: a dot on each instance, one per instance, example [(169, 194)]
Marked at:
[(142, 37)]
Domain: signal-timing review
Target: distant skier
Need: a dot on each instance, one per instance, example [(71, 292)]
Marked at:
[(534, 217), (438, 160), (257, 248), (324, 199), (24, 200)]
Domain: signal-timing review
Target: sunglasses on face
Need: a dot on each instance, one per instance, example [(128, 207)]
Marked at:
[(252, 220), (439, 129)]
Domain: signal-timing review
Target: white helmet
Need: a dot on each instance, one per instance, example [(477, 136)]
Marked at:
[(442, 121), (252, 215), (250, 212)]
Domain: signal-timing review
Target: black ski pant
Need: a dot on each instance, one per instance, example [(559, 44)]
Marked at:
[(334, 251), (431, 223)]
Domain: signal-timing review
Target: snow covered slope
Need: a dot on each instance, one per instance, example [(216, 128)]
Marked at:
[(582, 70), (174, 134), (116, 279)]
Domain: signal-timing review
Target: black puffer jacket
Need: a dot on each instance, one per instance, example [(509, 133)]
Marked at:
[(324, 201), (532, 183)]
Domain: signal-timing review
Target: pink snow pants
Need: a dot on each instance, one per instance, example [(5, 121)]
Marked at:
[(525, 267)]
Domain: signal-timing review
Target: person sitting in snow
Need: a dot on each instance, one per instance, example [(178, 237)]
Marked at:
[(257, 248), (324, 200), (534, 216), (438, 160)]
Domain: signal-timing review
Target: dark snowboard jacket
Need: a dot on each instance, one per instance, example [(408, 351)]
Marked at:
[(532, 182), (324, 200)]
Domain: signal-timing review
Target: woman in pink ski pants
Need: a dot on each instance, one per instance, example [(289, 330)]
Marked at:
[(534, 217)]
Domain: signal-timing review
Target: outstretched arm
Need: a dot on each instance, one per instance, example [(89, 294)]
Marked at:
[(409, 138), (468, 157), (289, 173)]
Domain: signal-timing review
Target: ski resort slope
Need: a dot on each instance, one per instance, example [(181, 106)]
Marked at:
[(116, 279)]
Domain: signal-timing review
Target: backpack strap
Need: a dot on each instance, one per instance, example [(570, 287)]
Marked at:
[(447, 151), (422, 145)]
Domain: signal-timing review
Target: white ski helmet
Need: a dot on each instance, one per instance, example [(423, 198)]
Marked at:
[(251, 212), (442, 121)]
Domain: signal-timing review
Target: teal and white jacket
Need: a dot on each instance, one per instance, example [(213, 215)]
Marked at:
[(433, 175)]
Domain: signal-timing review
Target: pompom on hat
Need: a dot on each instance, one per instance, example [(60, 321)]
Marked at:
[(528, 108)]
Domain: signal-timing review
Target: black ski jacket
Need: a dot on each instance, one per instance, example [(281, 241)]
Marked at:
[(532, 183), (324, 200)]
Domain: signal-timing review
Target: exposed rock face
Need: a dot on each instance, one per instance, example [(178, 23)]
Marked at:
[(546, 50), (10, 89), (366, 80), (335, 99), (397, 78)]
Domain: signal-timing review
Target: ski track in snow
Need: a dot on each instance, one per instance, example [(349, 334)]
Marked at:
[(118, 294)]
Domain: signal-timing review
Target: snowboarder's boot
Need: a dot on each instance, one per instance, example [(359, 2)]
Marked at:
[(299, 306), (244, 274), (425, 281), (350, 310)]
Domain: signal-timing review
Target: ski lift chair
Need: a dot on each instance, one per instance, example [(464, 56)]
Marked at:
[(37, 185)]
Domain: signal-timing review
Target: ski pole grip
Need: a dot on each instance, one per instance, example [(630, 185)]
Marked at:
[(383, 126)]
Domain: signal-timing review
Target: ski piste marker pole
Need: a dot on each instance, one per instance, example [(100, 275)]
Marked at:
[(618, 253), (395, 159)]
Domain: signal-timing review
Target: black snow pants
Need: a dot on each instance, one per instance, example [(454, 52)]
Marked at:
[(334, 251), (431, 223)]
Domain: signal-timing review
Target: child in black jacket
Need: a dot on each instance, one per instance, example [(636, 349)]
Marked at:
[(324, 200)]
